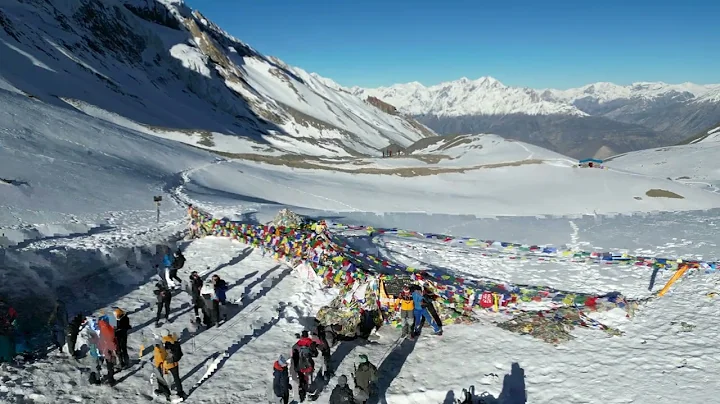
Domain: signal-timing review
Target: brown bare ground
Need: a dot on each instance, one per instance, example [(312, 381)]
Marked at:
[(304, 162), (661, 193)]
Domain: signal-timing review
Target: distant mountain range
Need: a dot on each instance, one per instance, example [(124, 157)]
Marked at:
[(596, 120)]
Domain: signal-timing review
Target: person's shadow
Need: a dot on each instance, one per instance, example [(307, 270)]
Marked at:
[(513, 391)]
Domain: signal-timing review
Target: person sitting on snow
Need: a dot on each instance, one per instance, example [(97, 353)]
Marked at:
[(281, 381), (342, 393), (365, 379)]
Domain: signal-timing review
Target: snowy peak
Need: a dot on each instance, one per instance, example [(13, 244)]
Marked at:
[(161, 67), (465, 97), (603, 92)]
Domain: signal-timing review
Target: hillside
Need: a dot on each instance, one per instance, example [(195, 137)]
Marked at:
[(598, 120), (166, 70)]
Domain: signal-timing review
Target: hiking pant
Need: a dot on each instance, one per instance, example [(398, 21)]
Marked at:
[(71, 342), (58, 336), (110, 364), (175, 372), (419, 315), (122, 351), (160, 305), (163, 385), (434, 314), (406, 319), (7, 348), (173, 276)]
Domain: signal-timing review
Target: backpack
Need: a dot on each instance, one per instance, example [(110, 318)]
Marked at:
[(305, 354), (175, 351)]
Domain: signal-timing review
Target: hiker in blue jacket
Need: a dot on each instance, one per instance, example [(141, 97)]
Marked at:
[(420, 311)]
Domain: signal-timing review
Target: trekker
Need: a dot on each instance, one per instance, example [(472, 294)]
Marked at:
[(166, 358), (406, 312), (196, 284), (177, 263), (72, 333), (281, 381), (8, 319), (342, 393), (429, 300), (303, 353), (164, 297), (365, 379), (58, 322), (179, 260), (107, 346), (421, 311), (322, 346), (121, 335), (219, 297)]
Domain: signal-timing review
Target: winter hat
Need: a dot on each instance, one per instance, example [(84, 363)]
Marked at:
[(364, 358), (282, 361), (305, 334), (119, 313), (342, 380)]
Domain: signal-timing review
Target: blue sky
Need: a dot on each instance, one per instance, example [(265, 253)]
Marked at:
[(539, 44)]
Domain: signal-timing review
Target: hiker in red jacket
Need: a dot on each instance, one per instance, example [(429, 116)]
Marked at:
[(107, 345), (303, 353)]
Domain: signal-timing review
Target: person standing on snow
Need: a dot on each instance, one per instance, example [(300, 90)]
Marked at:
[(58, 323), (196, 284), (365, 379), (342, 393), (164, 297), (177, 262), (281, 380), (429, 300), (8, 319), (107, 345), (406, 312), (220, 289), (72, 333), (303, 353), (324, 348), (121, 335), (167, 355), (421, 311)]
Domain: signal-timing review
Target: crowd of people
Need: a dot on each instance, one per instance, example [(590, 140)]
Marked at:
[(107, 339), (304, 377)]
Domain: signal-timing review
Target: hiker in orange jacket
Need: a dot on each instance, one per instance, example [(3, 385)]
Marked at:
[(166, 358)]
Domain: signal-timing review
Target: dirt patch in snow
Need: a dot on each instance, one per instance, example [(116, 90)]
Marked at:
[(661, 193), (310, 163)]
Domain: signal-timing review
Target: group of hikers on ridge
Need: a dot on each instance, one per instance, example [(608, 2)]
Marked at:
[(301, 375)]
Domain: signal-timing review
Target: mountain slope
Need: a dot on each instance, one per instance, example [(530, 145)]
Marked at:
[(162, 66), (594, 120)]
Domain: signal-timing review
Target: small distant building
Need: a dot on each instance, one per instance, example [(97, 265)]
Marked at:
[(393, 150), (590, 163)]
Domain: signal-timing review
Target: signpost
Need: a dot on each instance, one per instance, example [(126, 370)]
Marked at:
[(157, 200)]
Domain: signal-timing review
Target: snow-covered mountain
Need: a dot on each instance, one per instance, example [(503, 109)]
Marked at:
[(464, 97), (598, 119), (159, 67)]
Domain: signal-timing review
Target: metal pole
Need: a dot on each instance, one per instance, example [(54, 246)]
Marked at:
[(158, 212)]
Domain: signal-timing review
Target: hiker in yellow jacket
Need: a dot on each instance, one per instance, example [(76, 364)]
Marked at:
[(406, 312), (166, 359)]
